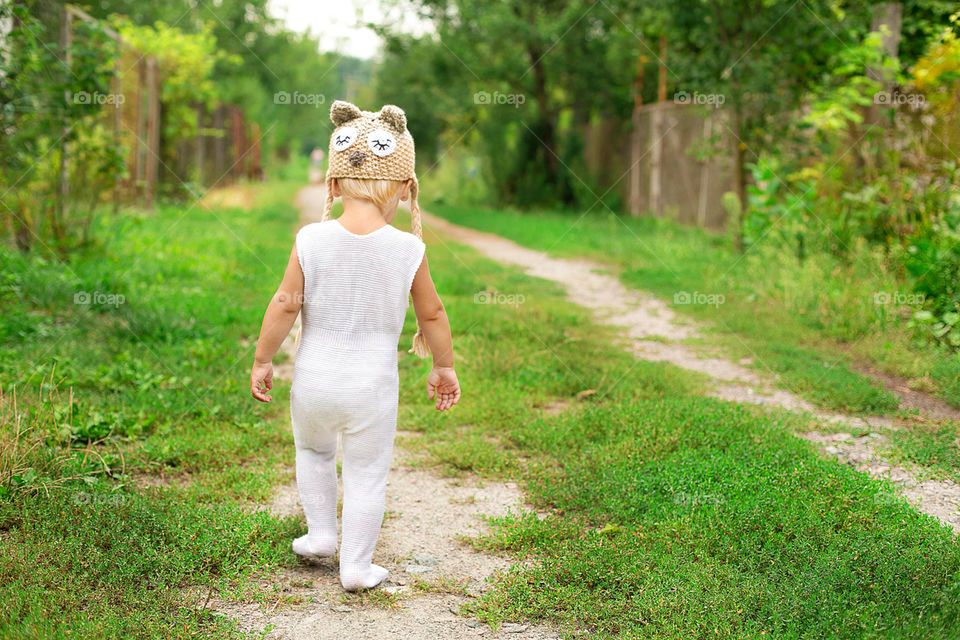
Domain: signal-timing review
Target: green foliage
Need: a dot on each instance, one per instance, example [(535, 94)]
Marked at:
[(256, 56), (187, 63), (43, 107), (847, 88), (845, 181), (102, 401), (937, 74), (516, 83), (778, 207)]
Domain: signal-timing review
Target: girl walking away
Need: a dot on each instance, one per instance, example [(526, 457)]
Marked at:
[(350, 278)]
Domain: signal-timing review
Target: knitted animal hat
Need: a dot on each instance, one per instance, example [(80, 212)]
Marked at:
[(374, 146)]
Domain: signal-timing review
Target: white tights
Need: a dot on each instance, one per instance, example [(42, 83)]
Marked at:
[(367, 449)]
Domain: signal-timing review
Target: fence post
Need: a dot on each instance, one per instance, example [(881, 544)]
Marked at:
[(656, 135), (117, 88), (704, 175), (153, 130), (256, 171), (634, 204), (239, 142), (139, 160), (219, 143), (200, 151)]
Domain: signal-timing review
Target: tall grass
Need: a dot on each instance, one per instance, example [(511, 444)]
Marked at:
[(36, 452)]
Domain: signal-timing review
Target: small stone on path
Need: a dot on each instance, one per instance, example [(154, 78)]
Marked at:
[(418, 568)]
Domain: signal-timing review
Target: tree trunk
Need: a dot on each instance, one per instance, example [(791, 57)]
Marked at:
[(63, 171), (546, 125), (887, 14)]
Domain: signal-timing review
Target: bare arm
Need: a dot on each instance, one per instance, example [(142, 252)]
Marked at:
[(432, 316), (442, 381), (277, 321)]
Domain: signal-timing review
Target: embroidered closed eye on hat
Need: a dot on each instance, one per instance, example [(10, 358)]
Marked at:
[(374, 146)]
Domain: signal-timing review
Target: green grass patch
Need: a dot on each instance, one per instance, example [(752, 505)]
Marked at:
[(689, 517), (782, 314), (127, 362), (934, 446), (826, 381), (669, 515), (101, 563)]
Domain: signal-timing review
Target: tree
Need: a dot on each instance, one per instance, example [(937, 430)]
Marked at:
[(523, 79), (761, 55), (257, 59)]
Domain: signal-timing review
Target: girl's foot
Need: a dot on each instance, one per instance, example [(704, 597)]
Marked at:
[(354, 579), (314, 548)]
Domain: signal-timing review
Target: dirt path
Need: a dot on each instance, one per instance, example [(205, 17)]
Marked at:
[(652, 331), (432, 571)]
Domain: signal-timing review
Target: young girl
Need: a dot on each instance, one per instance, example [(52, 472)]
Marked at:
[(350, 278)]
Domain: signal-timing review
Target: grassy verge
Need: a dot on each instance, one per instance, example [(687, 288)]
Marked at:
[(933, 446), (124, 366), (669, 515), (806, 323)]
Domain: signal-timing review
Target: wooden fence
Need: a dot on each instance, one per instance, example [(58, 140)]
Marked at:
[(681, 166), (225, 147)]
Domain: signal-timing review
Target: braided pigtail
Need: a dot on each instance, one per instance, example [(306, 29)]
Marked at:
[(420, 346), (328, 206)]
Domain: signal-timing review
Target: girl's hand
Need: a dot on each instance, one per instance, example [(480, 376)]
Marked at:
[(442, 383), (261, 381)]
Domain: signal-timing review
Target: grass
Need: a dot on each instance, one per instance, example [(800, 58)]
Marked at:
[(806, 323), (675, 518), (934, 446), (670, 515), (127, 363)]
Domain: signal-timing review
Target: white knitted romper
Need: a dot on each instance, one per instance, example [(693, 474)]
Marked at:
[(356, 291)]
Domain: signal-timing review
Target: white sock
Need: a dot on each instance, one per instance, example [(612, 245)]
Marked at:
[(354, 577), (317, 483), (315, 548), (366, 464)]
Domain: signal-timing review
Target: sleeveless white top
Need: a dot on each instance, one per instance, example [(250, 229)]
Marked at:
[(356, 288)]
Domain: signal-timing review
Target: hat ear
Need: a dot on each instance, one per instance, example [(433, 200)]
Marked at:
[(342, 112), (394, 117)]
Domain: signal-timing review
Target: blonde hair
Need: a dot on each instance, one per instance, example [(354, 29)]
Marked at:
[(380, 192)]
